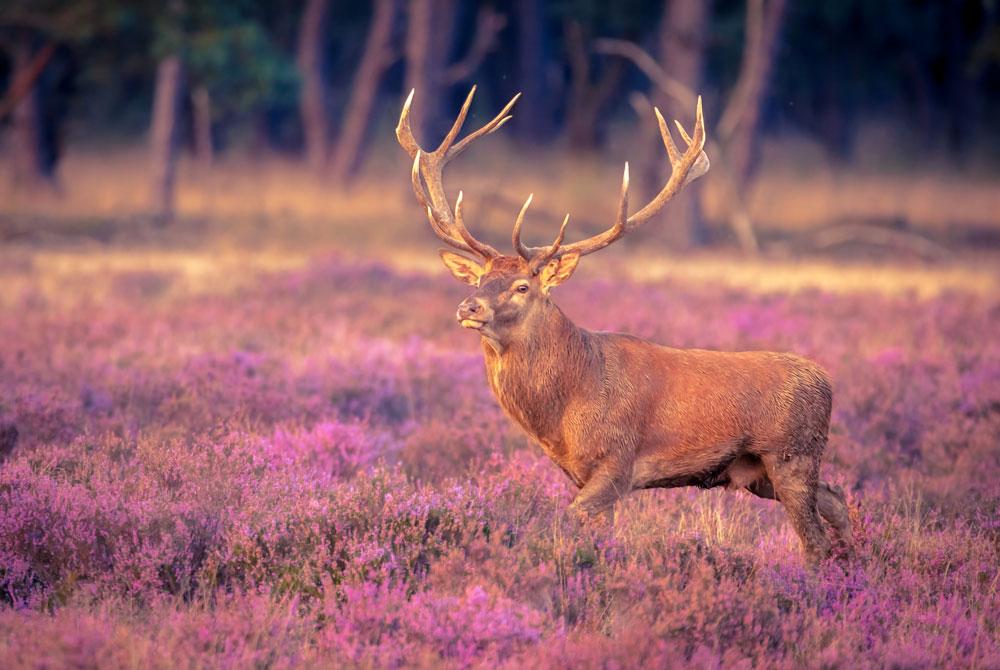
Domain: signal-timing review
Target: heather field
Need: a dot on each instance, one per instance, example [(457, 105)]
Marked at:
[(241, 425), (300, 464)]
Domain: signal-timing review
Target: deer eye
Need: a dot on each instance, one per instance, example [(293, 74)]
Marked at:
[(522, 288)]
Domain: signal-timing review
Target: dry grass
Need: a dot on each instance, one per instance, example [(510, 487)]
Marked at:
[(92, 275), (797, 189), (247, 216)]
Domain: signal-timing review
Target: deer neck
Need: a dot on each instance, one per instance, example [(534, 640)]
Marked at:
[(535, 371)]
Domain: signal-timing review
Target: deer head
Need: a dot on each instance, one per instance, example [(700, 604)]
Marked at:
[(512, 292)]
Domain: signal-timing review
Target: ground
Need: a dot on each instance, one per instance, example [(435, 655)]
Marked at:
[(259, 438)]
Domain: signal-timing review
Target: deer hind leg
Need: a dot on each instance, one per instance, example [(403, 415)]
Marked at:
[(833, 509), (795, 482), (829, 499)]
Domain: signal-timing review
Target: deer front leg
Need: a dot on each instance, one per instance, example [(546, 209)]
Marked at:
[(610, 481)]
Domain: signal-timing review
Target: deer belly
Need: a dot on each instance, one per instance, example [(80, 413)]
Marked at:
[(744, 471), (723, 469), (655, 475)]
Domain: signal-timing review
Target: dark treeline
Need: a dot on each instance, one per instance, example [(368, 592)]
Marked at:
[(314, 77)]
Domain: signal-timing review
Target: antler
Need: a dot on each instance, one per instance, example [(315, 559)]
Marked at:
[(538, 256), (685, 168), (446, 222)]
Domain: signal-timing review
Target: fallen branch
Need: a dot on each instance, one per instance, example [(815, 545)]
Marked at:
[(849, 233)]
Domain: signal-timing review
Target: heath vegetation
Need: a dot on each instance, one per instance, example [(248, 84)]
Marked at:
[(240, 427), (308, 468)]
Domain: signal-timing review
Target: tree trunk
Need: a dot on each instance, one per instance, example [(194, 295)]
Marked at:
[(739, 125), (201, 104), (377, 56), (163, 136), (533, 121), (682, 55), (959, 91), (312, 100), (34, 153), (423, 68), (837, 122), (429, 68), (588, 98)]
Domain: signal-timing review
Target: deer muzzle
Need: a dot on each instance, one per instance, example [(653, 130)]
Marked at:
[(474, 313)]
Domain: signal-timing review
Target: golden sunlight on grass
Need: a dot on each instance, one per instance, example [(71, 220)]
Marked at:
[(787, 197), (767, 275), (246, 216), (70, 276)]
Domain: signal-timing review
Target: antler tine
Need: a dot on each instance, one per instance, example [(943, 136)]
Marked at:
[(418, 186), (622, 218), (668, 140), (456, 127), (404, 133), (680, 129), (701, 163), (685, 168), (503, 117), (480, 248), (537, 256), (562, 233), (525, 252), (548, 253), (424, 200), (428, 169), (699, 127)]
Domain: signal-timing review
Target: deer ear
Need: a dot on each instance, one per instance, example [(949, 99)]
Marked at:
[(462, 268), (559, 270)]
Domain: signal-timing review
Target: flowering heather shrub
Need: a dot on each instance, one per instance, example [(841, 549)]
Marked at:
[(334, 449), (381, 626), (300, 477)]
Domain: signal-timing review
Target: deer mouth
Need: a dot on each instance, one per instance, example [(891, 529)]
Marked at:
[(472, 323)]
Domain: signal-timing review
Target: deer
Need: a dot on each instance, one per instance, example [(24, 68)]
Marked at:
[(615, 412)]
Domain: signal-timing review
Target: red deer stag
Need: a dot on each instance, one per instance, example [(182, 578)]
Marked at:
[(615, 412)]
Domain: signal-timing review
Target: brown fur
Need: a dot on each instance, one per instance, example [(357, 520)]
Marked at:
[(617, 413)]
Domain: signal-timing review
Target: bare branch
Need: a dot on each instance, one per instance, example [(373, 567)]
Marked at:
[(26, 79), (680, 93), (489, 23), (876, 235)]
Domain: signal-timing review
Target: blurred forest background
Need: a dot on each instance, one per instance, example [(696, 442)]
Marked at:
[(836, 126)]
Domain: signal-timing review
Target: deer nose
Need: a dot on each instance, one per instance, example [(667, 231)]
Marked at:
[(469, 308)]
